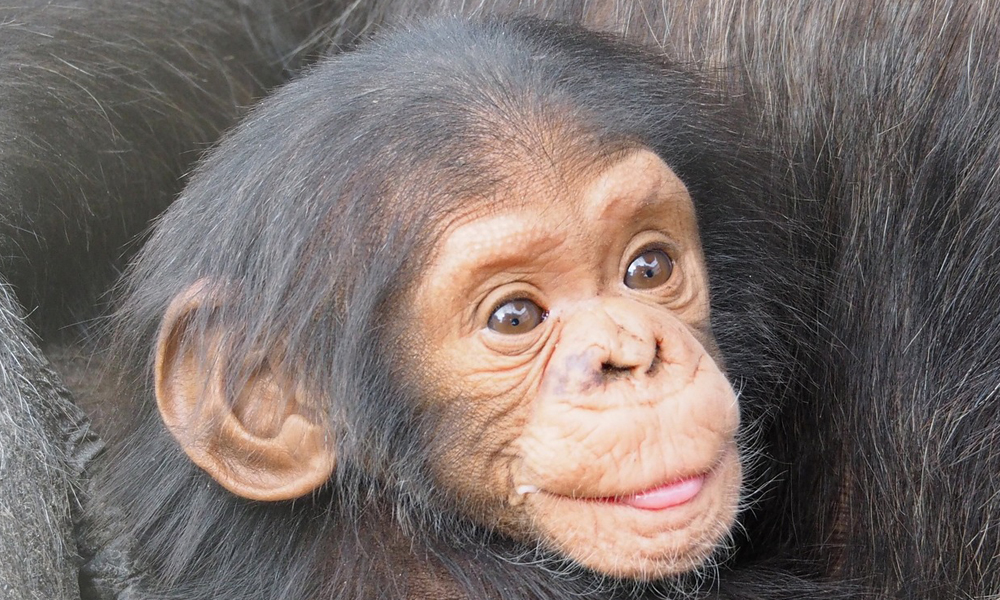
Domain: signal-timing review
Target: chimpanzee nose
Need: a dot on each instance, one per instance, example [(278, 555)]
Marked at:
[(632, 347), (603, 341), (618, 338)]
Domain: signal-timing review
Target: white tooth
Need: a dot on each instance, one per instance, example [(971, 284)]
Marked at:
[(527, 489)]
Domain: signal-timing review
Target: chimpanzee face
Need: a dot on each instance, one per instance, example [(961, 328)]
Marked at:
[(566, 343)]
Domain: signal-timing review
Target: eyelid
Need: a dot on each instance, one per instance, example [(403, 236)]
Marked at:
[(651, 247), (660, 242)]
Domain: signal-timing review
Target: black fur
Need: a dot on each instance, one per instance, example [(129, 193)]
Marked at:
[(103, 106)]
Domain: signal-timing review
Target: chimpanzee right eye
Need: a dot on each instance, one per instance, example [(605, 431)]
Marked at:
[(516, 316)]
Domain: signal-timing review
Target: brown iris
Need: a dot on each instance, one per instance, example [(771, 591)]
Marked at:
[(516, 316), (649, 270)]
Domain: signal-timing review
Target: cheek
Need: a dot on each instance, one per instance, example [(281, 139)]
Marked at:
[(472, 373), (476, 425), (477, 404), (473, 458)]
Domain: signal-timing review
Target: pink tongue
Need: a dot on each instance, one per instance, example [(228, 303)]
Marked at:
[(666, 496)]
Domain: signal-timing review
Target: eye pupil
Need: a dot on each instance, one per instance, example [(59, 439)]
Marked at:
[(649, 270), (516, 316)]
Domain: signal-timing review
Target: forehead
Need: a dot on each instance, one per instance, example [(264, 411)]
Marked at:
[(543, 212), (639, 182)]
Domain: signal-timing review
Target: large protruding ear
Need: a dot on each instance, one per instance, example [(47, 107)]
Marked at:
[(269, 442)]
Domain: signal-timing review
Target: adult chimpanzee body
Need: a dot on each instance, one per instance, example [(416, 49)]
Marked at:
[(881, 445)]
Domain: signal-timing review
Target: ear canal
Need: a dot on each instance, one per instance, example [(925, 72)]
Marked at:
[(265, 444)]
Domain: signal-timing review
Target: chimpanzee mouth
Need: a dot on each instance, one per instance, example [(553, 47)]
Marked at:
[(662, 497)]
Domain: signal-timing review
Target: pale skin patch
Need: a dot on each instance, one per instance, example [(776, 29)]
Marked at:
[(563, 418)]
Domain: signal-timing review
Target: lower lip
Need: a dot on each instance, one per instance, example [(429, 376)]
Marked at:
[(666, 496)]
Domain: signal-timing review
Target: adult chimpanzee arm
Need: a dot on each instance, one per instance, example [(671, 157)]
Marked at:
[(103, 106), (44, 444)]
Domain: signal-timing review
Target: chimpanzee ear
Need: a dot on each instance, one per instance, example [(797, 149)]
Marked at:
[(266, 443)]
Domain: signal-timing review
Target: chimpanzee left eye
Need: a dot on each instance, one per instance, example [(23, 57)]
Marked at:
[(649, 270), (516, 316)]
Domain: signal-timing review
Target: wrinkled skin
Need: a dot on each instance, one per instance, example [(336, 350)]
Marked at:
[(606, 390)]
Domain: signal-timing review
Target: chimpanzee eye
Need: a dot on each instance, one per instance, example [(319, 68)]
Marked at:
[(649, 270), (516, 316)]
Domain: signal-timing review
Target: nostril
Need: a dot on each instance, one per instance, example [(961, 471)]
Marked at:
[(630, 354), (654, 365), (609, 369)]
